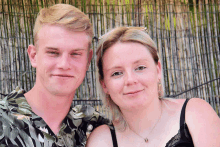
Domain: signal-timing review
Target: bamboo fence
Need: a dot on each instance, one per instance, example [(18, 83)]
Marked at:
[(186, 34)]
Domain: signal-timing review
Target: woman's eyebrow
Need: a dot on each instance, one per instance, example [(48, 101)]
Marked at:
[(113, 67), (141, 60)]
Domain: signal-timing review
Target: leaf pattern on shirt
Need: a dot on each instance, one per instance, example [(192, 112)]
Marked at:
[(20, 127)]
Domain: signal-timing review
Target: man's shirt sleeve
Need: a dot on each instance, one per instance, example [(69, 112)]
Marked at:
[(90, 118)]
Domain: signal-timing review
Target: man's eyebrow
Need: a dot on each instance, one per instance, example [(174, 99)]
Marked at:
[(76, 49), (79, 49), (52, 48)]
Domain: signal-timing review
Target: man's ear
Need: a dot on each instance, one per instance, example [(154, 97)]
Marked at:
[(32, 53), (104, 87), (90, 53)]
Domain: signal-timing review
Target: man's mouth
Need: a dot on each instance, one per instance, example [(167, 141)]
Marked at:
[(63, 75)]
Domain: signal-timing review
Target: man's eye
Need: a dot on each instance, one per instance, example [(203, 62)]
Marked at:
[(116, 74), (53, 53), (76, 54), (140, 68)]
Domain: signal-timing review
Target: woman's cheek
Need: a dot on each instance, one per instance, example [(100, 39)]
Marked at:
[(116, 84)]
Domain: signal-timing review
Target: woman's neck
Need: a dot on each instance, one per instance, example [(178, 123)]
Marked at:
[(142, 120)]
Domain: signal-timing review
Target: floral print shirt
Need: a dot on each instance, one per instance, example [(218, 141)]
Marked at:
[(20, 127)]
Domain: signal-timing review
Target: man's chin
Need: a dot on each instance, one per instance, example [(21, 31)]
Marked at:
[(62, 91)]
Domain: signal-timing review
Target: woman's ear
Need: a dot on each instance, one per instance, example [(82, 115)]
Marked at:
[(104, 87), (159, 70), (32, 52)]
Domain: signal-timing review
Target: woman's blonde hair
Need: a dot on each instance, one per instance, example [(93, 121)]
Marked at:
[(122, 34), (66, 16)]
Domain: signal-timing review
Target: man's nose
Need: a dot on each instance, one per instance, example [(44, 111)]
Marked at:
[(64, 62)]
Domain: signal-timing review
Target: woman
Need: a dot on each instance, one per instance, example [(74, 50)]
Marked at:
[(130, 76)]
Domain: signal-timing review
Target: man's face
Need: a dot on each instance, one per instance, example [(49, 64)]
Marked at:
[(62, 59)]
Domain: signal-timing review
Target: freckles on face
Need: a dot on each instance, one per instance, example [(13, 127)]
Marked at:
[(130, 73)]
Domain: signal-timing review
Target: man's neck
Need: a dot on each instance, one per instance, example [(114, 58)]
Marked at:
[(53, 109)]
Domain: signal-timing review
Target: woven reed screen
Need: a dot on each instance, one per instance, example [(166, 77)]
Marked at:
[(187, 35)]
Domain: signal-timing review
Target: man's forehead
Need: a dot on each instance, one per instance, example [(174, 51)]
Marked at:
[(55, 36), (53, 29)]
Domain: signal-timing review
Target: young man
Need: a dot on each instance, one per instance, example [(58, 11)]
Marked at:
[(61, 55)]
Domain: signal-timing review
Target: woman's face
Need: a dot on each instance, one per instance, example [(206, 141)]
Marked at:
[(130, 75)]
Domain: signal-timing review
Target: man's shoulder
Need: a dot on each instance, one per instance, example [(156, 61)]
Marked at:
[(11, 101), (87, 117), (16, 93), (10, 123), (16, 127), (9, 115), (86, 113)]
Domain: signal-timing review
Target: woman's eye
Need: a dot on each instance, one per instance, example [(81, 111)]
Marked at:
[(116, 74), (140, 68)]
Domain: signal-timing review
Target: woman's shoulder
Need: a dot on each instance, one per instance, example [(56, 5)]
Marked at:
[(173, 104), (172, 110), (195, 106), (100, 137), (199, 109), (173, 100), (201, 117)]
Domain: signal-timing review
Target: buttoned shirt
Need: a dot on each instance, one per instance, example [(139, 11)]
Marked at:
[(21, 127)]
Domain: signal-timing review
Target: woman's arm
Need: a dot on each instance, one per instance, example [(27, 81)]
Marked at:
[(203, 123), (100, 137)]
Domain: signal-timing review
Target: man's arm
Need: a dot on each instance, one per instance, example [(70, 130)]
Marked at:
[(91, 119)]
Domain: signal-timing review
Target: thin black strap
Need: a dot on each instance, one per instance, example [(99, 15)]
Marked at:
[(114, 139), (182, 115)]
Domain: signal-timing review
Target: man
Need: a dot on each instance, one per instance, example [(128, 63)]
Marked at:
[(61, 55)]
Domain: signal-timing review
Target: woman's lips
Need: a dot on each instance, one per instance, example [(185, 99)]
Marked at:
[(133, 92)]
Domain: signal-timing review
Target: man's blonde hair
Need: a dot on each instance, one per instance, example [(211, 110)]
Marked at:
[(66, 16)]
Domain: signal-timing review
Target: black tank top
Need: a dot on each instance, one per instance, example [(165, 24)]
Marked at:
[(181, 139)]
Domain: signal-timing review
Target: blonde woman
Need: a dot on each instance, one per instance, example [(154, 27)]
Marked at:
[(130, 76)]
